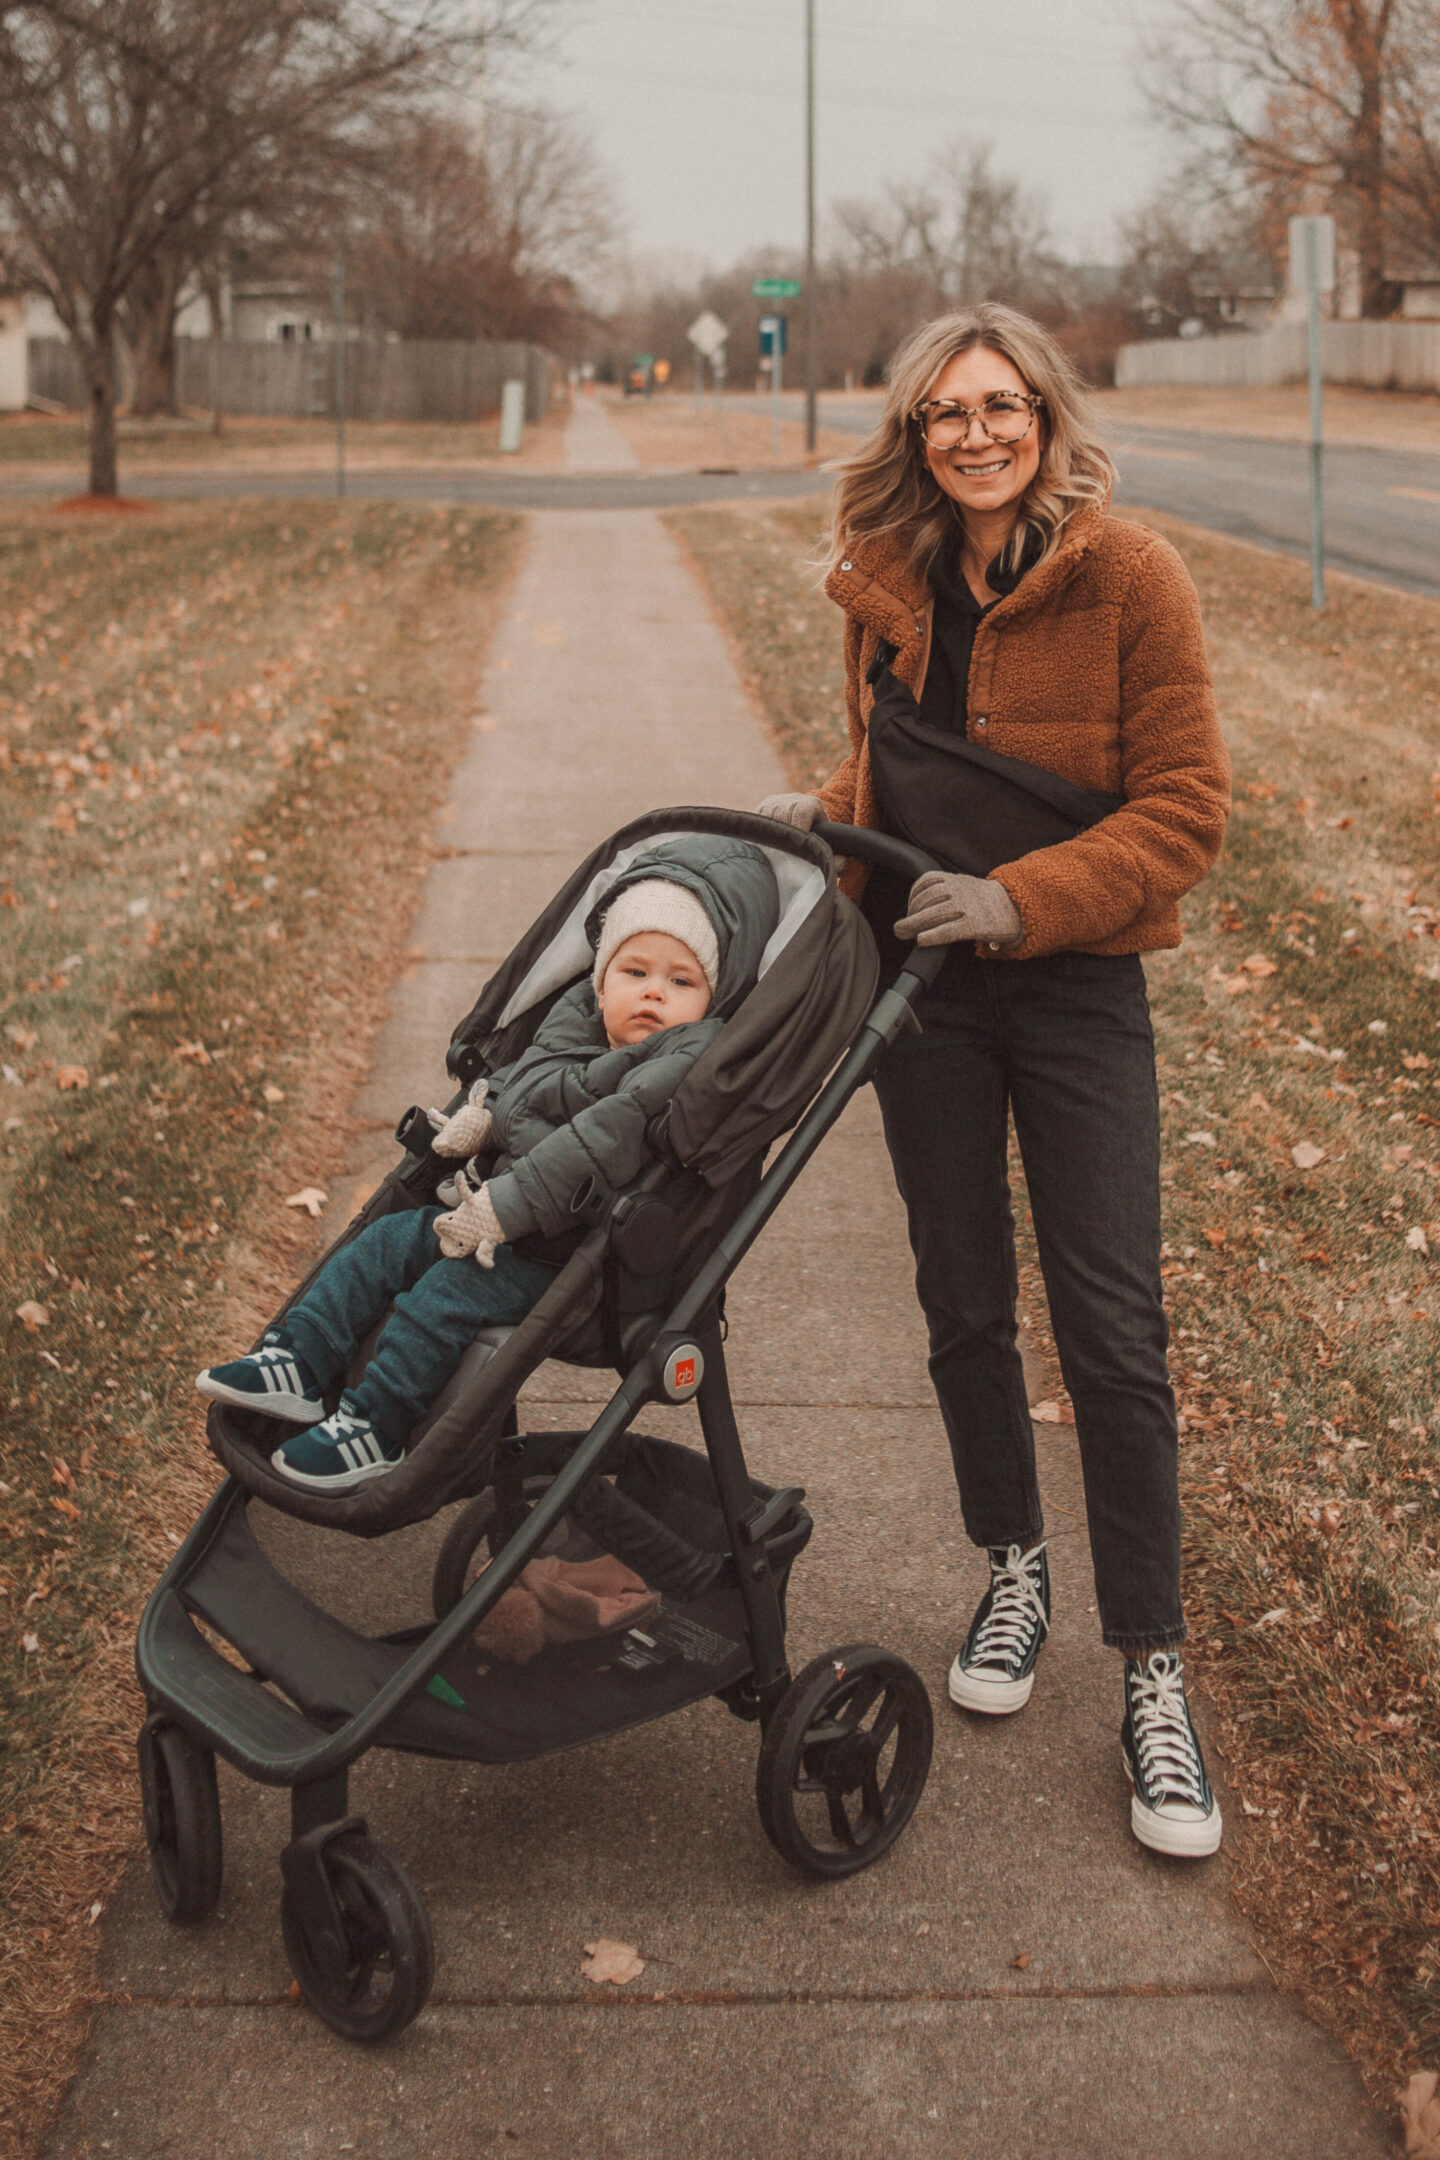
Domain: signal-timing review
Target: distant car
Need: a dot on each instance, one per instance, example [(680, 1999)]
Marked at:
[(637, 382)]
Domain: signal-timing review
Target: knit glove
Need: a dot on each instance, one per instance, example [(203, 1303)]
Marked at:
[(946, 906), (468, 1131), (801, 810), (472, 1227)]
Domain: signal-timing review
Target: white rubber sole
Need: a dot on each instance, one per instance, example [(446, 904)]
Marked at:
[(992, 1698), (293, 1408), (343, 1481), (1177, 1839)]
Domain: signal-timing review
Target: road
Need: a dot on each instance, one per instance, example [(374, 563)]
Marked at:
[(1382, 507)]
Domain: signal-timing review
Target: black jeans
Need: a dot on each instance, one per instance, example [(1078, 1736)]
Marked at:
[(1065, 1044)]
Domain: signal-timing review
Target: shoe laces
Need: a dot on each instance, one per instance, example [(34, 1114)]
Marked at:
[(1165, 1743), (1015, 1606), (347, 1424)]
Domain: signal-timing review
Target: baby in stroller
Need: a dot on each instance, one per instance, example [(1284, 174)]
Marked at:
[(678, 939)]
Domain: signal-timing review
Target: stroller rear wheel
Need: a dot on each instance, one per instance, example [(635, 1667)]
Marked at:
[(844, 1760), (181, 1800), (373, 1979)]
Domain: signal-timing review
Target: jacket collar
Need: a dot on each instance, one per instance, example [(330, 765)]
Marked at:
[(878, 587)]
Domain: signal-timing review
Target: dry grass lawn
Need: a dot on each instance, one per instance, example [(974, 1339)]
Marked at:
[(44, 444), (1280, 412), (668, 434), (223, 732), (1299, 1046)]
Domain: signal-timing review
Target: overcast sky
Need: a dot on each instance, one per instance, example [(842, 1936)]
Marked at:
[(695, 107)]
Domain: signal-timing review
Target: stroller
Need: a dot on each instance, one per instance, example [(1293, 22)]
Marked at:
[(235, 1659)]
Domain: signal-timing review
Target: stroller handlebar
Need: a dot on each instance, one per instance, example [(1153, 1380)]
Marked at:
[(877, 848), (886, 853)]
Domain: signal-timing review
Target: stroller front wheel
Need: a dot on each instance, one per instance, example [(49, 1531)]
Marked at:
[(181, 1800), (375, 1977), (844, 1760)]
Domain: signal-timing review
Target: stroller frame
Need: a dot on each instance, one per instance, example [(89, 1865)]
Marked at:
[(350, 1916)]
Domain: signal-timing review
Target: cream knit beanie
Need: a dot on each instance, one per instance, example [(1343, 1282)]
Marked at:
[(657, 904)]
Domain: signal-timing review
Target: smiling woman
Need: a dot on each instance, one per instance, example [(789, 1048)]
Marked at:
[(1029, 703)]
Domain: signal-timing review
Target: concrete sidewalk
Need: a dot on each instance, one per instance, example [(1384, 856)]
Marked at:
[(1017, 1978)]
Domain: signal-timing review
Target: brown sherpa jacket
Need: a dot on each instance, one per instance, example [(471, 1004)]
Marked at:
[(1094, 667)]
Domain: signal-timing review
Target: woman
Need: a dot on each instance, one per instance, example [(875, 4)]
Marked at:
[(1029, 700)]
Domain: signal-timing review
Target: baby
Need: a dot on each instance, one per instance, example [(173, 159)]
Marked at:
[(679, 934)]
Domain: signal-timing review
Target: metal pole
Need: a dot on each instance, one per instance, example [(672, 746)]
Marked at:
[(339, 375), (810, 355), (1317, 486), (777, 370)]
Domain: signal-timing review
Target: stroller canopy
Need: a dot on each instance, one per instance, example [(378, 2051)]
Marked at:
[(815, 981)]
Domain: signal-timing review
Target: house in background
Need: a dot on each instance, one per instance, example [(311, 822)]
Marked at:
[(22, 316), (1237, 291)]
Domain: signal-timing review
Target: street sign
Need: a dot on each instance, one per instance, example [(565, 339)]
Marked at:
[(773, 335), (1312, 254), (708, 334), (776, 288)]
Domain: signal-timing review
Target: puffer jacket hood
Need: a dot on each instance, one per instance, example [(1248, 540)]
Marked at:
[(736, 887)]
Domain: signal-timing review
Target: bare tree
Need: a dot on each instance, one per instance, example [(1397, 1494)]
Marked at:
[(1294, 94), (1415, 97), (964, 233), (126, 125), (494, 232)]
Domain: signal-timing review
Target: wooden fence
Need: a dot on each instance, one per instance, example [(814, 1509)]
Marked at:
[(440, 379), (1375, 355)]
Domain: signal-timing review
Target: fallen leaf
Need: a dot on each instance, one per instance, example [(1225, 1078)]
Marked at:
[(71, 1076), (1259, 963), (1276, 1615), (29, 1644), (1417, 1240), (273, 1094), (616, 1962), (1213, 1237), (1418, 1063), (310, 1197), (1329, 1520), (1420, 2116), (1305, 1155), (1052, 1413), (23, 1038), (33, 1315), (1378, 1027), (1201, 1139), (1022, 1963)]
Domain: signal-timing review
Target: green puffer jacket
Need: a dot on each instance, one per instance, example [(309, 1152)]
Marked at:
[(571, 1116)]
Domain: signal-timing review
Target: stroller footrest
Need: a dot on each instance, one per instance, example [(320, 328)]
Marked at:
[(231, 1710)]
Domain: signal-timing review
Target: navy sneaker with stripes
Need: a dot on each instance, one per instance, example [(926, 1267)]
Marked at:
[(344, 1452), (274, 1380)]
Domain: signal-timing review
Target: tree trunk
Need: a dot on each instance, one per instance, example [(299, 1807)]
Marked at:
[(148, 315), (104, 474)]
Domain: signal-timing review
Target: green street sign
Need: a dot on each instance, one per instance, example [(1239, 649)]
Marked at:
[(776, 288)]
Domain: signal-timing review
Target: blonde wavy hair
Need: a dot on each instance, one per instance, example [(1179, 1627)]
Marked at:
[(886, 487)]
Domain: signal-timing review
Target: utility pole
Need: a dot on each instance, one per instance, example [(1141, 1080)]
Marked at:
[(810, 362), (339, 375)]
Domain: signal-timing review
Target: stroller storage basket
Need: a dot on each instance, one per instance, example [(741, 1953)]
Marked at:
[(476, 1708)]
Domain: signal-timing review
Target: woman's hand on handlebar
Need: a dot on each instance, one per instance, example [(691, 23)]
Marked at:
[(946, 907), (798, 810)]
